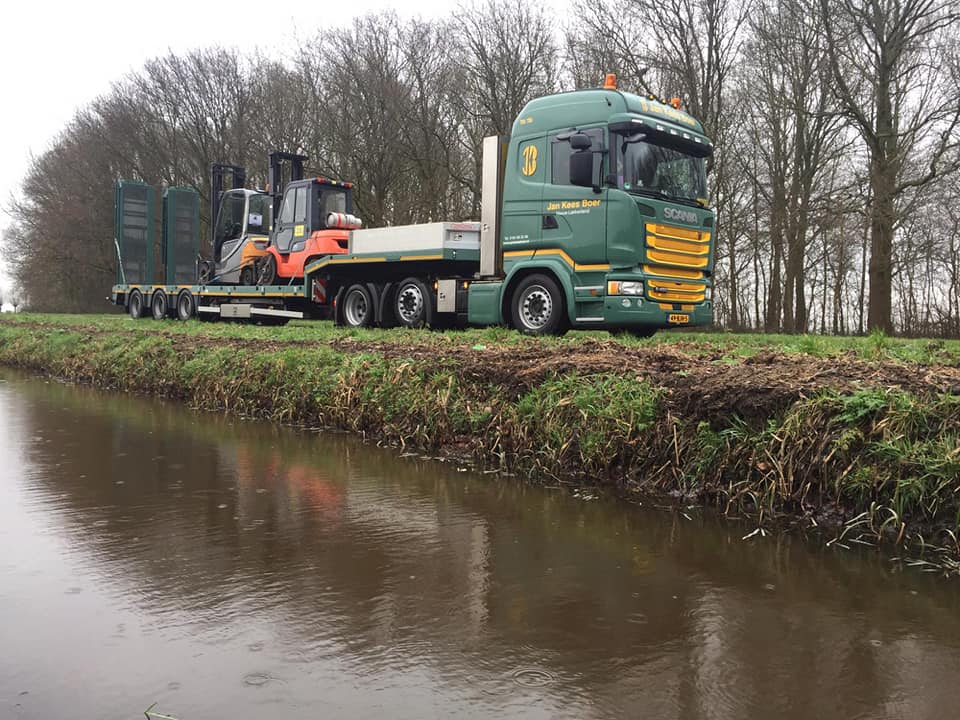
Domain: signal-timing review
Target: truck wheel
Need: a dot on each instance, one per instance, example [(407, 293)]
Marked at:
[(248, 276), (185, 306), (412, 305), (158, 305), (267, 275), (538, 307), (135, 304), (357, 307)]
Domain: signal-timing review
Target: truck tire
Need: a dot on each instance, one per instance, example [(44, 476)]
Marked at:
[(412, 304), (158, 305), (135, 304), (538, 307), (358, 309), (185, 305), (267, 274)]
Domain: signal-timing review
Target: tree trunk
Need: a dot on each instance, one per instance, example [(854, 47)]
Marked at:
[(882, 180)]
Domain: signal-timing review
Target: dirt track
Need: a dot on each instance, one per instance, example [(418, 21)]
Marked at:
[(708, 386)]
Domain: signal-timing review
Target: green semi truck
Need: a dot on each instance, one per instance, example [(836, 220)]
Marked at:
[(594, 215)]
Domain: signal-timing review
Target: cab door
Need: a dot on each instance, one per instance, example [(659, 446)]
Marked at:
[(290, 226), (523, 188), (574, 218)]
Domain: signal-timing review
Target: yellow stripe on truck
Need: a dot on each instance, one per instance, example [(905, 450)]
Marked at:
[(555, 251)]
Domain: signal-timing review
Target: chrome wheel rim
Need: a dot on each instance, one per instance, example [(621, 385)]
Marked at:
[(536, 307), (355, 309), (409, 303)]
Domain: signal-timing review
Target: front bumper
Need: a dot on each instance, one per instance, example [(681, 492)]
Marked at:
[(628, 311)]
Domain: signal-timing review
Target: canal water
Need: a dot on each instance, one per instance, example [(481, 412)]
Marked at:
[(223, 568)]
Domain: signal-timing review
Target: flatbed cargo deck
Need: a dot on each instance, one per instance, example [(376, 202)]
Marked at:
[(274, 302)]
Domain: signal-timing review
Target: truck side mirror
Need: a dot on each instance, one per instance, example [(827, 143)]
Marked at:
[(581, 168), (580, 141)]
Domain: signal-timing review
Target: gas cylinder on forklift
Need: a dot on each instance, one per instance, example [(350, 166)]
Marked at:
[(313, 217)]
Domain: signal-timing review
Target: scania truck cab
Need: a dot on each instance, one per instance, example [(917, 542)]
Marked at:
[(605, 193)]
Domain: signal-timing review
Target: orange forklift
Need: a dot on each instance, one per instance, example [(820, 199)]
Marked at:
[(312, 218)]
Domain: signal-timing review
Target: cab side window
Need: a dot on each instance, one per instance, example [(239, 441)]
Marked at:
[(300, 215), (286, 212), (560, 152)]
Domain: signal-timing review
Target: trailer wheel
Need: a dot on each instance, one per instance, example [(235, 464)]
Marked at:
[(538, 307), (358, 307), (412, 305), (267, 274), (158, 305), (135, 304), (185, 305)]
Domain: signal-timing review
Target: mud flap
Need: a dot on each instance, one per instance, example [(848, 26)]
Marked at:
[(336, 313), (386, 318)]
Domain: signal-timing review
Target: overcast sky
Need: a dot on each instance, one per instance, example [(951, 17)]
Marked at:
[(58, 56)]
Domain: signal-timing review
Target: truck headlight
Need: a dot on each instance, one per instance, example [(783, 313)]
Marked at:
[(625, 287)]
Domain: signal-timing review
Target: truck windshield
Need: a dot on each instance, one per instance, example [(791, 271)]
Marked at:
[(645, 167)]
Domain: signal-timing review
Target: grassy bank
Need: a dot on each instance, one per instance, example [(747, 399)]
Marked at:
[(859, 435)]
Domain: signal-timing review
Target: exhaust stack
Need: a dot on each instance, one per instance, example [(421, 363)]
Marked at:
[(491, 203)]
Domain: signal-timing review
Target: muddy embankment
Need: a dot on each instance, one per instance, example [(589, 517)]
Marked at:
[(866, 449)]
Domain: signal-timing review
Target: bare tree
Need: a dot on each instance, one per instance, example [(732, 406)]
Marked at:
[(886, 61)]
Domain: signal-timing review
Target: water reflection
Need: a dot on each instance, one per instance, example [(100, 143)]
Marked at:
[(233, 568)]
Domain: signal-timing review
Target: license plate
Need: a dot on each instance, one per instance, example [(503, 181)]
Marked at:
[(678, 318), (238, 310)]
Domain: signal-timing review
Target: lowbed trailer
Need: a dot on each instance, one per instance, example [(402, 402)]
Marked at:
[(593, 216), (276, 304)]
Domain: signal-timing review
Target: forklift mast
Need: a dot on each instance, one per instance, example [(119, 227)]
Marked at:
[(275, 177), (238, 177)]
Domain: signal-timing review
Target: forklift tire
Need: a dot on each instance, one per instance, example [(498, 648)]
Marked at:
[(267, 274), (358, 308), (248, 275), (185, 305), (206, 272), (135, 304), (412, 304), (158, 305)]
